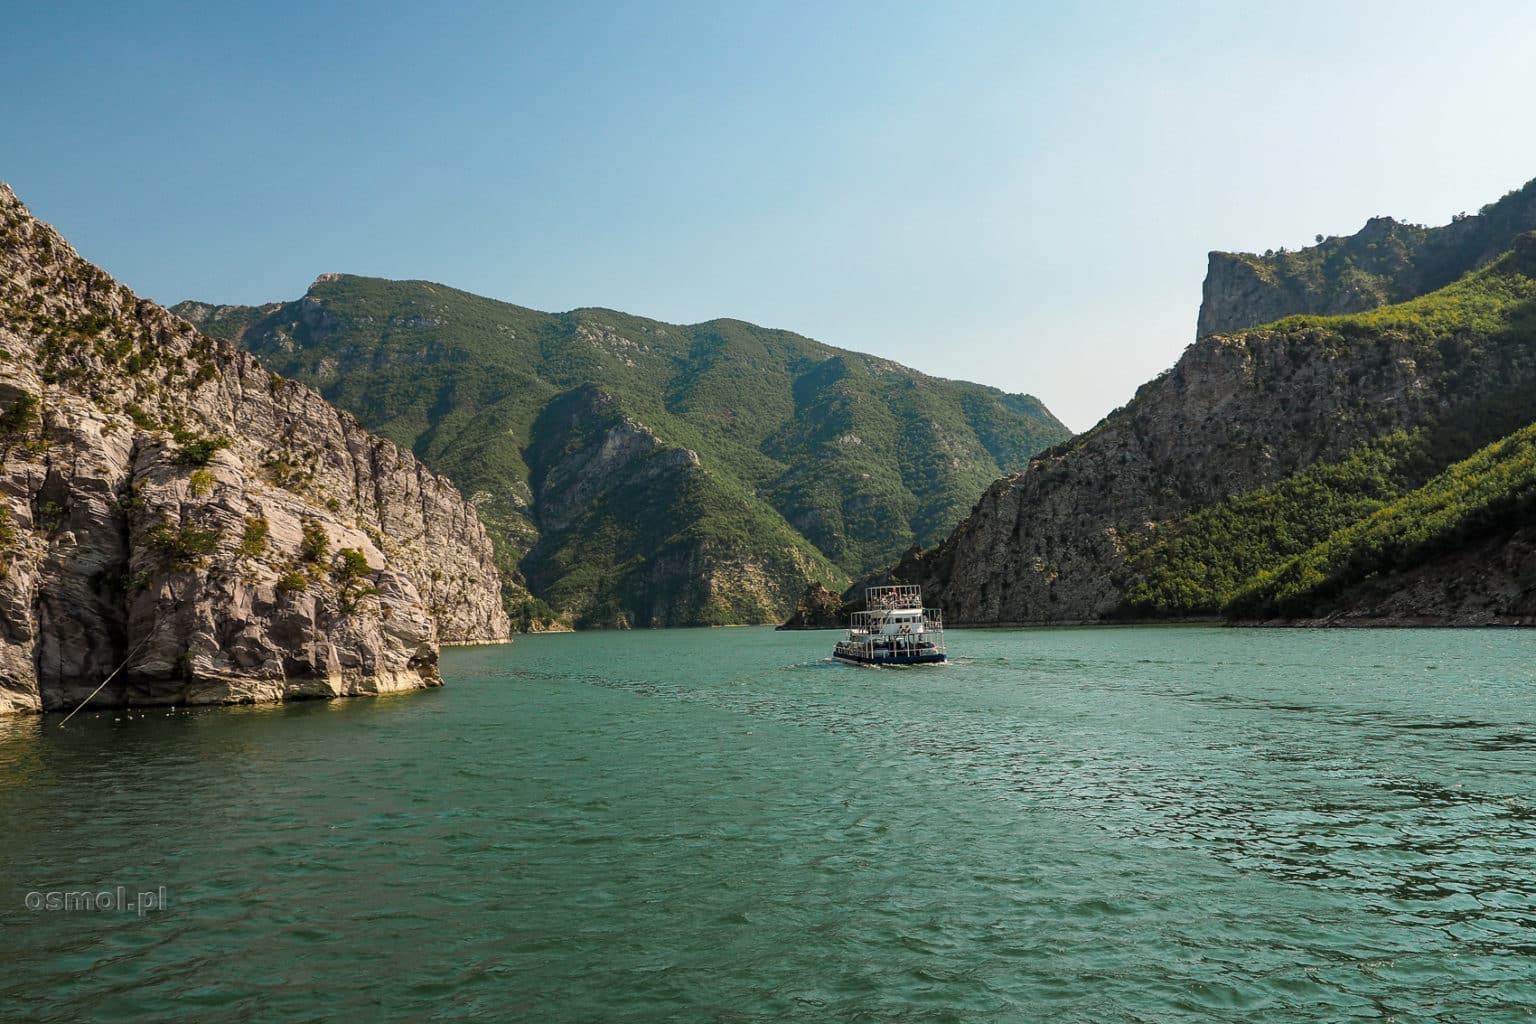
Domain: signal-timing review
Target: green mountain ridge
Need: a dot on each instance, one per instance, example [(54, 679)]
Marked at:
[(634, 472)]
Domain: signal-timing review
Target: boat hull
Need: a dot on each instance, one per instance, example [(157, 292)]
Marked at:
[(928, 658)]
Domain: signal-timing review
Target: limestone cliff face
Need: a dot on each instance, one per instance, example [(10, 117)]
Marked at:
[(1386, 261), (170, 507), (1242, 291), (1237, 412)]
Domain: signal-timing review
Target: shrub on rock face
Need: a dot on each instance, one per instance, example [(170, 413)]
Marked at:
[(7, 540), (292, 582), (253, 541), (20, 416), (351, 565), (348, 571), (141, 419), (316, 543), (198, 451), (184, 547)]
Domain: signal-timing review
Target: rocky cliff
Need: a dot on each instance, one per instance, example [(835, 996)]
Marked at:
[(818, 608), (1231, 427), (173, 512), (1384, 262)]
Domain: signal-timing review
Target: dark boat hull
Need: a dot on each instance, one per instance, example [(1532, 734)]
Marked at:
[(928, 658)]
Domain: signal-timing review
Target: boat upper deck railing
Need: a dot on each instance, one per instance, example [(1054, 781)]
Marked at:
[(899, 595)]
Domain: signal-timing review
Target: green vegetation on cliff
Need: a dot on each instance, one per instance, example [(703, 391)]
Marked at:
[(1194, 566), (1491, 493), (636, 472)]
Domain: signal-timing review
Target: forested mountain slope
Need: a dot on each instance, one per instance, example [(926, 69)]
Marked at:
[(634, 472)]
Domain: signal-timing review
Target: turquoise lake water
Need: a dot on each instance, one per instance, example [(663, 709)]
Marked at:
[(719, 825)]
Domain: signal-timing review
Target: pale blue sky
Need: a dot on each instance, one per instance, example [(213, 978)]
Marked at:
[(1012, 193)]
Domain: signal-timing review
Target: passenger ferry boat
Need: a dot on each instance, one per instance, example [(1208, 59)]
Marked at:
[(894, 629)]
